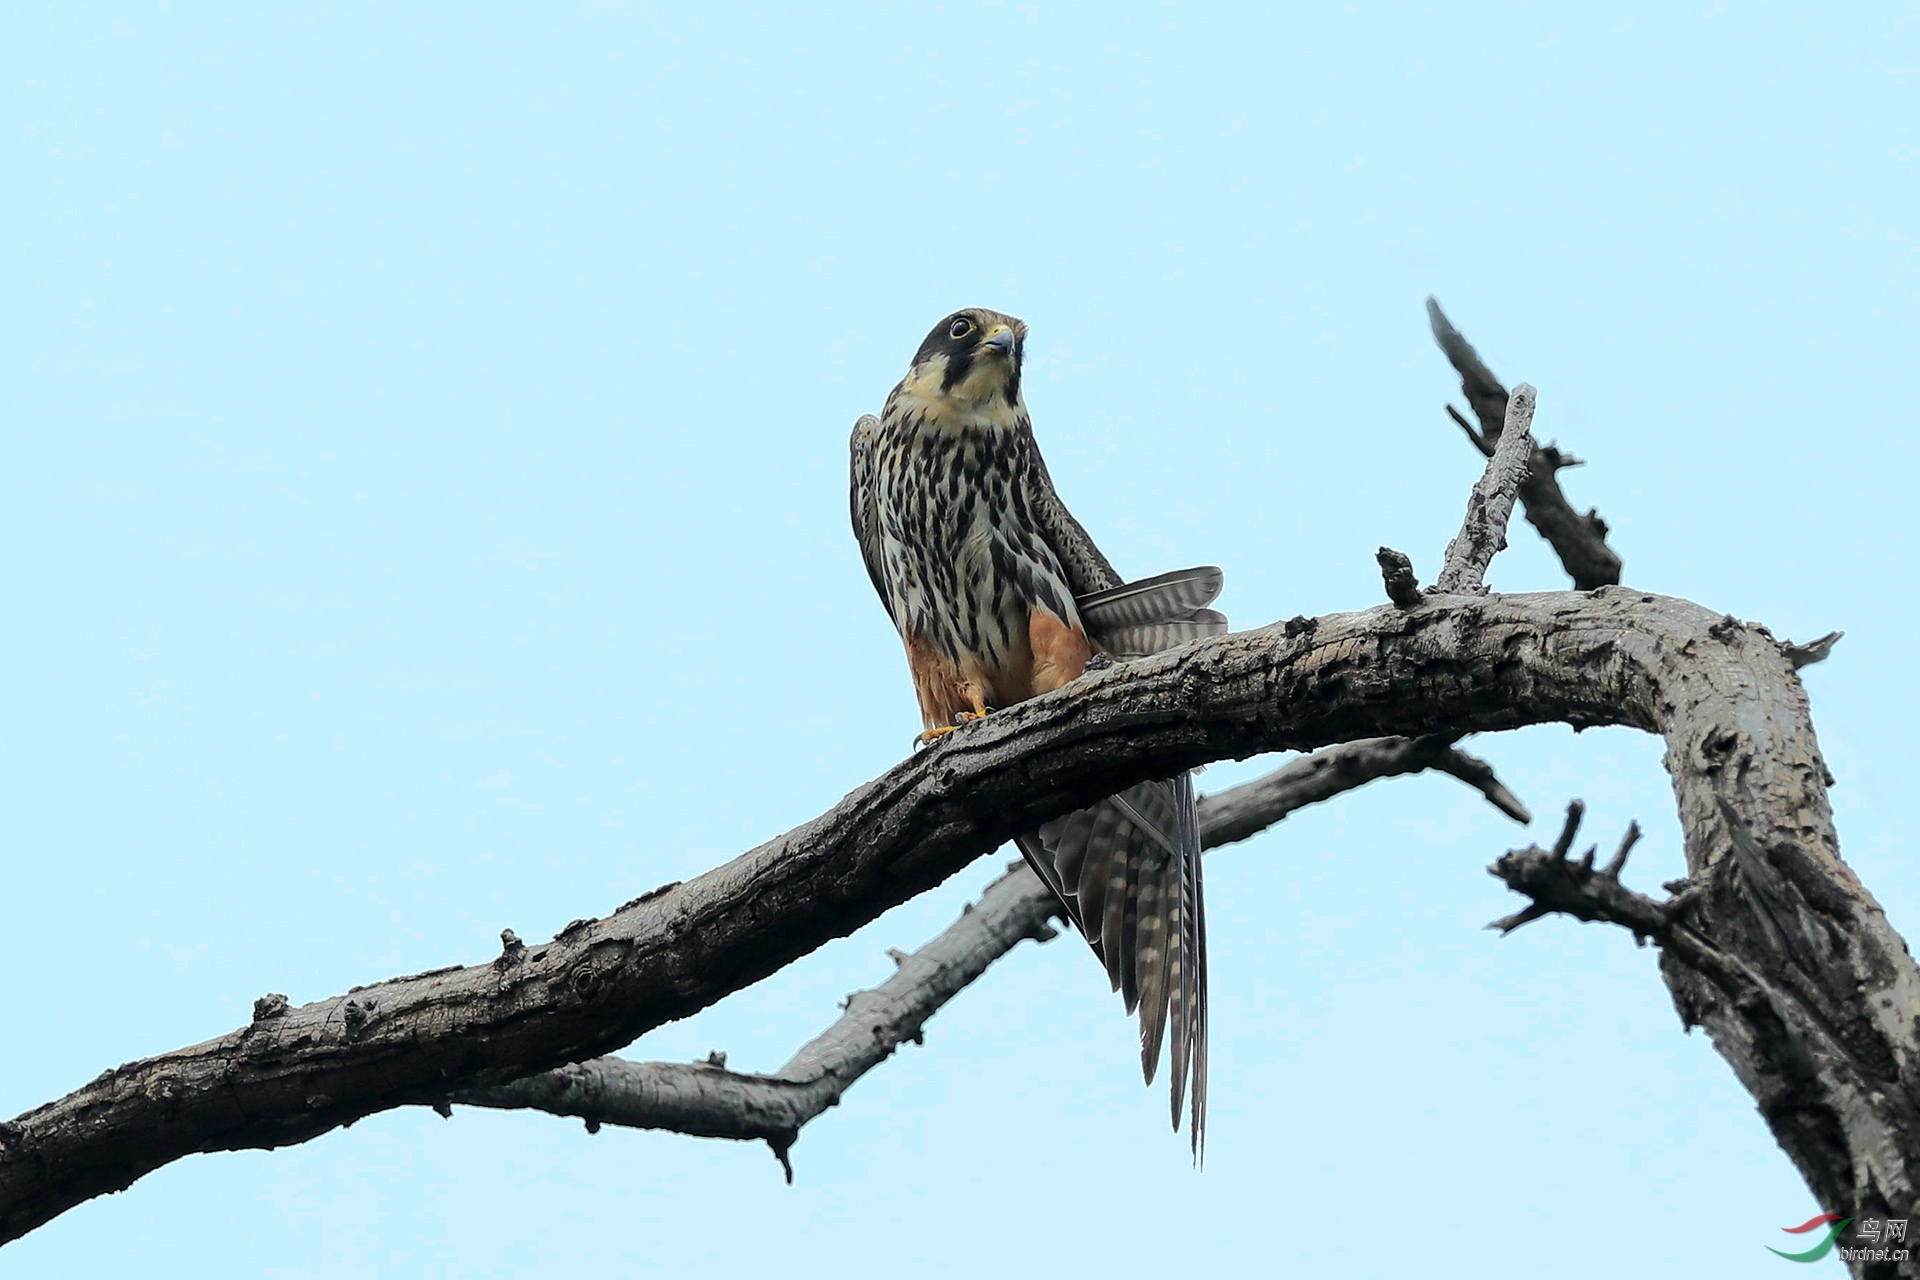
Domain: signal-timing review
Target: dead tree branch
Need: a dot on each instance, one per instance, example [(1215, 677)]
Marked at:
[(708, 1101), (1760, 952), (1483, 534), (1771, 944), (1557, 883), (1580, 541), (1805, 655), (705, 1100), (1252, 807), (1830, 1048)]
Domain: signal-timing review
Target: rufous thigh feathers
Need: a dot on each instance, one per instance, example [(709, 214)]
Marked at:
[(936, 684), (1053, 653), (1060, 652)]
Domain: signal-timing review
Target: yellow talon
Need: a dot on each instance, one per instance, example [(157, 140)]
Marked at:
[(933, 735)]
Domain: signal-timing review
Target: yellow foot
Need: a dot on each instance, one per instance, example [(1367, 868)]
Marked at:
[(933, 735)]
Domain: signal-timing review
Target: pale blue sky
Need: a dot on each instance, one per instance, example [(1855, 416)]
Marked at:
[(425, 514)]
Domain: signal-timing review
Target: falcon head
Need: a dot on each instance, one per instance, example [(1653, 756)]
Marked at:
[(972, 356)]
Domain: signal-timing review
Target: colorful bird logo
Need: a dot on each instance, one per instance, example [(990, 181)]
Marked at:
[(1820, 1250)]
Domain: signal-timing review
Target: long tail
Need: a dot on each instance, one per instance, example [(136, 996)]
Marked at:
[(1127, 870)]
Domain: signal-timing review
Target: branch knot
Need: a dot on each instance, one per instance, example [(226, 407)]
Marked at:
[(1396, 571)]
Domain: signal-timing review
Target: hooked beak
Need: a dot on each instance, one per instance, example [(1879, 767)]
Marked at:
[(999, 340)]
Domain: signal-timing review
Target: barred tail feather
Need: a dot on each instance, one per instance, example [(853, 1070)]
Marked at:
[(1193, 942), (1127, 871), (1140, 639), (1161, 598)]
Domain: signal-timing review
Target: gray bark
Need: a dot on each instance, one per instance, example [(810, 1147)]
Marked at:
[(706, 1100), (1828, 1041), (1579, 540), (1483, 534)]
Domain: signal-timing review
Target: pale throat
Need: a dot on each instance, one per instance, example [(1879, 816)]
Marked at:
[(975, 403)]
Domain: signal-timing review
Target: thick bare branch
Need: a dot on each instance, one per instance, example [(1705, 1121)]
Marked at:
[(703, 1100), (1580, 541), (1829, 1048), (1483, 533)]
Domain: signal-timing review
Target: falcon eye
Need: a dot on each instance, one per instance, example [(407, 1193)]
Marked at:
[(960, 328)]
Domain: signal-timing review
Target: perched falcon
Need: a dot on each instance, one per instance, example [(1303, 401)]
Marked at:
[(999, 596)]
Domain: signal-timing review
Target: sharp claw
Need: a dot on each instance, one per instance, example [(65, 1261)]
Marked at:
[(932, 735)]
